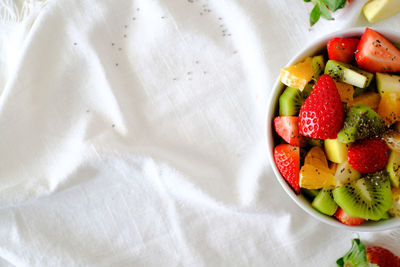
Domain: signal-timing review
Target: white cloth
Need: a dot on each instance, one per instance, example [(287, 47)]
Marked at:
[(133, 134)]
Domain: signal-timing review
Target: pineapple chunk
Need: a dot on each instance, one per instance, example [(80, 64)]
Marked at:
[(315, 178), (298, 75), (335, 150)]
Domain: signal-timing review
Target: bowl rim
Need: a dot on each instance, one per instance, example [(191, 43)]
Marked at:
[(310, 49)]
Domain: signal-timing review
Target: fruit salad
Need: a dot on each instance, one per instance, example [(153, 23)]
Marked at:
[(337, 128)]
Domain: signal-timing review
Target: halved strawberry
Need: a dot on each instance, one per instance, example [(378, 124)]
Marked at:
[(375, 53), (342, 49), (322, 114), (287, 159), (287, 128), (346, 219)]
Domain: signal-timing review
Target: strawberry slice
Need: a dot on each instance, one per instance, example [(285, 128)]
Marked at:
[(342, 49), (287, 128), (287, 159), (382, 257), (375, 53), (343, 217), (376, 256), (322, 114)]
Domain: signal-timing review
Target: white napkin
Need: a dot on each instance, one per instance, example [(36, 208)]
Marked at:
[(133, 134)]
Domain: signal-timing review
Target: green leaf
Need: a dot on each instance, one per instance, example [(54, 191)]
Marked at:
[(325, 13), (315, 15), (356, 256), (307, 1), (334, 4)]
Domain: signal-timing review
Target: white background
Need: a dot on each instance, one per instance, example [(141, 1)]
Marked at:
[(132, 133)]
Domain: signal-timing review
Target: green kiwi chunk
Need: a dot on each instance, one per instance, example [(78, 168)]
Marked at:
[(393, 168), (309, 193), (369, 197), (314, 142), (307, 89), (290, 102), (361, 122), (318, 64), (324, 202)]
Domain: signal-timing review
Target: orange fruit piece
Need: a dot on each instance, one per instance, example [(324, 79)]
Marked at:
[(298, 75), (312, 177), (346, 92), (316, 157), (315, 172)]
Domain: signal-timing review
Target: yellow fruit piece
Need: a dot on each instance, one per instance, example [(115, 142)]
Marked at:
[(369, 99), (298, 75), (346, 92), (312, 177), (316, 157), (394, 211), (389, 107), (392, 139), (335, 150), (376, 10)]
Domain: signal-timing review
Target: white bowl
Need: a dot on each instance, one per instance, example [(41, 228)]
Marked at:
[(310, 50)]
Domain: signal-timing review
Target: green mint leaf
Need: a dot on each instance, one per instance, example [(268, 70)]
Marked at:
[(356, 256), (334, 4), (307, 1), (315, 15), (325, 13)]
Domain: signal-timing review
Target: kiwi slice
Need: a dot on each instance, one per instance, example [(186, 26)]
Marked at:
[(307, 90), (324, 202), (393, 168), (314, 142), (290, 102), (361, 122), (318, 64), (310, 194), (368, 198)]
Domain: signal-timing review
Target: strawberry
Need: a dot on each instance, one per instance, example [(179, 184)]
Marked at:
[(287, 159), (342, 49), (382, 257), (321, 116), (343, 217), (376, 256), (368, 155), (287, 128), (375, 53)]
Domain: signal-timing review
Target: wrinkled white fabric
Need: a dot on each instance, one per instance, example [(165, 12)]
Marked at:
[(133, 134)]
